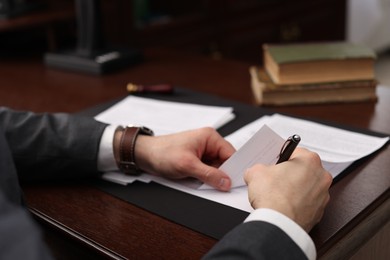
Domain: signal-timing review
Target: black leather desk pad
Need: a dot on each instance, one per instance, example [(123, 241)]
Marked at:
[(204, 216)]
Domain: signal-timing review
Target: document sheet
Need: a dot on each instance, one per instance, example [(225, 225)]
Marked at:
[(165, 117), (338, 148), (258, 142)]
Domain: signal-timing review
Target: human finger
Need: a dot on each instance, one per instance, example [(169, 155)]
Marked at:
[(212, 176)]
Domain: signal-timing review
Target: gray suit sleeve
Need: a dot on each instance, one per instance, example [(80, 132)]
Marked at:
[(52, 146), (20, 237), (256, 240)]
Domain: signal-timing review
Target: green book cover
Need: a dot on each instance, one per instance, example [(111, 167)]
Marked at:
[(291, 53)]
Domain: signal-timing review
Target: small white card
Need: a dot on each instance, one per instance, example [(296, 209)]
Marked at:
[(263, 147)]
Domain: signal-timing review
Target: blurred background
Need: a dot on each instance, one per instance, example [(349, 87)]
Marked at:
[(221, 29)]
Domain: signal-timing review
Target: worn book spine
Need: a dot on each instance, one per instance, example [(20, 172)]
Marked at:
[(321, 62), (266, 92), (263, 76), (306, 52)]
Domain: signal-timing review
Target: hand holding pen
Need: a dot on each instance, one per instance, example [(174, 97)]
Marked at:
[(288, 148)]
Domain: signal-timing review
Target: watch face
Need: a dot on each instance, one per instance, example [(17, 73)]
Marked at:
[(146, 131), (143, 129)]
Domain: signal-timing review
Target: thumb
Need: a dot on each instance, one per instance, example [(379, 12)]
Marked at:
[(213, 177)]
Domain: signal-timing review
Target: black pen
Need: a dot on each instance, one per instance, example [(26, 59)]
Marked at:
[(288, 148), (159, 88)]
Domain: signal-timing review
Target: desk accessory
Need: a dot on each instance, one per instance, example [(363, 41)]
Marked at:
[(92, 55), (158, 88), (13, 8)]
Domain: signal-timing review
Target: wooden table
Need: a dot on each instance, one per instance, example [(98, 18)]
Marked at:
[(82, 221)]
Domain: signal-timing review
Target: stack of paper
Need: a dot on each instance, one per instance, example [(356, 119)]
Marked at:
[(165, 117), (261, 142), (337, 148)]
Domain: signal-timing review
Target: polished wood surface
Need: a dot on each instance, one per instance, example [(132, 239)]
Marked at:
[(107, 226)]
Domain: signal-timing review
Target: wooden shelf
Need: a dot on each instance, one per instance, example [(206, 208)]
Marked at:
[(38, 18), (234, 29), (218, 28)]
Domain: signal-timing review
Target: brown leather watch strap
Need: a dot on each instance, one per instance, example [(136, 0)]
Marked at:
[(127, 162)]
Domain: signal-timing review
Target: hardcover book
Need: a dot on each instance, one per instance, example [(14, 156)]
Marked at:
[(318, 62), (266, 92)]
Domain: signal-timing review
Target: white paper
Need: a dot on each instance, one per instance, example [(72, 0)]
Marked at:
[(242, 135), (337, 148), (124, 179), (236, 198), (165, 117), (263, 147), (331, 143)]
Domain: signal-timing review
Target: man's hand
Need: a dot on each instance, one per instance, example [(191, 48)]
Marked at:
[(197, 153), (297, 188)]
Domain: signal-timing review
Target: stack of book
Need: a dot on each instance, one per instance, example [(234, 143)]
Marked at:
[(314, 73)]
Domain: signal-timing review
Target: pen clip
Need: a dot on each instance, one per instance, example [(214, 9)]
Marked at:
[(286, 143), (294, 139)]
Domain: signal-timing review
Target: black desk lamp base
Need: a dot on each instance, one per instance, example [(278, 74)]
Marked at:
[(92, 54), (99, 62), (17, 8)]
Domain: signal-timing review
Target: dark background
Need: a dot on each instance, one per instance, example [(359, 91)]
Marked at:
[(218, 28)]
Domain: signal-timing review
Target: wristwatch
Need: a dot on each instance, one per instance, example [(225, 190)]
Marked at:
[(127, 163)]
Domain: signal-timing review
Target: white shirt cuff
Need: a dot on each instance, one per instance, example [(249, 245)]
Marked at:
[(106, 160), (292, 229)]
